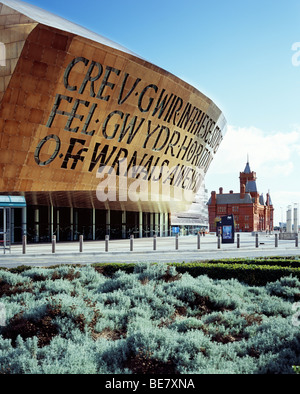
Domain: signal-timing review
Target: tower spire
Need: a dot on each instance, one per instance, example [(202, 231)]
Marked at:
[(247, 168)]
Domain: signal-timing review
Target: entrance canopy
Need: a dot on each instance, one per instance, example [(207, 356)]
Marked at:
[(12, 201), (7, 206)]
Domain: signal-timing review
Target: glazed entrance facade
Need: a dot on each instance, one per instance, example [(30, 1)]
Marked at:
[(68, 223)]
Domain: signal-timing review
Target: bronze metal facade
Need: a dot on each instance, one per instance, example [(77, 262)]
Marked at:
[(70, 105)]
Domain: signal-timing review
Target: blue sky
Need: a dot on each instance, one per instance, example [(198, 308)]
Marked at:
[(238, 53)]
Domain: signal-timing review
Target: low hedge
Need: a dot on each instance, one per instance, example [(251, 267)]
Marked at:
[(255, 272), (272, 261), (251, 274)]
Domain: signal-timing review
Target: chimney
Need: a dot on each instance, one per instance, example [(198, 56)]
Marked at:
[(231, 192), (213, 198), (221, 190), (243, 191)]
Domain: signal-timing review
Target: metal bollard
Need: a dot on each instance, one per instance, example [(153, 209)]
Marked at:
[(198, 240), (154, 241), (219, 241), (176, 241), (53, 243), (296, 240), (131, 242), (276, 240), (80, 243), (256, 240), (238, 241), (4, 243), (106, 242), (24, 242)]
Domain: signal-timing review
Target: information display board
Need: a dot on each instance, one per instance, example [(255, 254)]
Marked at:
[(225, 227)]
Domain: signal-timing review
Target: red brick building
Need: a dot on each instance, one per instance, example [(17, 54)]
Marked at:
[(252, 212)]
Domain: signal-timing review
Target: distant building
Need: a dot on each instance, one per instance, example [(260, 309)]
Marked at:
[(195, 219), (252, 212)]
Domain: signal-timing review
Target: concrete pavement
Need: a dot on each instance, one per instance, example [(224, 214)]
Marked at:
[(119, 251)]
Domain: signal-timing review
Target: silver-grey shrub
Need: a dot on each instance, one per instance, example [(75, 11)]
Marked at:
[(200, 324)]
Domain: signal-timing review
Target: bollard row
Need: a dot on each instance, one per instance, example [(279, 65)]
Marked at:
[(219, 239)]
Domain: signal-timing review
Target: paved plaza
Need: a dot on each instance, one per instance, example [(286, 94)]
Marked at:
[(119, 251)]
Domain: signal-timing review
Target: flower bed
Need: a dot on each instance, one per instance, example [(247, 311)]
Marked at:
[(153, 319)]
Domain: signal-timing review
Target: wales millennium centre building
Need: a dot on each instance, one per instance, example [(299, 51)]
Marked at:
[(94, 139)]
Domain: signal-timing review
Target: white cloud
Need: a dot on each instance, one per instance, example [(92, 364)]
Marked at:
[(286, 198), (268, 153), (279, 170)]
